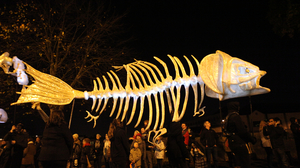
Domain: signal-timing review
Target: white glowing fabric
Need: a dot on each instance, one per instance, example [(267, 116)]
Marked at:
[(19, 72), (227, 77), (3, 116), (224, 77)]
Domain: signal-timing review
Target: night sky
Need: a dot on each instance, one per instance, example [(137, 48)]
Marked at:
[(239, 28), (199, 28)]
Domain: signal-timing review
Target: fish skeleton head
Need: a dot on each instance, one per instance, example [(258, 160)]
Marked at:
[(229, 77)]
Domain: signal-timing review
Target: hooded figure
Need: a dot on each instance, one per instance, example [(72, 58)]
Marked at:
[(238, 135)]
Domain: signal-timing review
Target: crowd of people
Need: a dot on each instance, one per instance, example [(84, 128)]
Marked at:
[(58, 148), (272, 137)]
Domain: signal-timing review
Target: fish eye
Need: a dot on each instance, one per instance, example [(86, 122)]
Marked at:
[(244, 70)]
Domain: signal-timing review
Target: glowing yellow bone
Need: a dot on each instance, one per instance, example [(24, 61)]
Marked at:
[(142, 89), (150, 111), (158, 83), (114, 90), (185, 77), (193, 82), (156, 135), (120, 106), (120, 90), (93, 118), (167, 82), (162, 102), (135, 97), (161, 97), (148, 95), (129, 91), (106, 96), (94, 96), (98, 96), (201, 83), (174, 85), (141, 111)]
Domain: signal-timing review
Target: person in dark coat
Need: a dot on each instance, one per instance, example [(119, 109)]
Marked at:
[(177, 152), (28, 155), (149, 146), (57, 142), (38, 145), (119, 144), (86, 153), (18, 138), (238, 135), (295, 127), (209, 139), (98, 147), (276, 133)]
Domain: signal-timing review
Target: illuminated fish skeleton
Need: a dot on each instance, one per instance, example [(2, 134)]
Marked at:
[(224, 77)]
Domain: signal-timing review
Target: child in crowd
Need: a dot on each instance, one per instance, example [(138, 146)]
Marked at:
[(159, 151), (135, 156), (199, 161), (134, 135)]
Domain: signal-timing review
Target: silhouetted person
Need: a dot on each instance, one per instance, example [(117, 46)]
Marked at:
[(177, 152), (86, 154), (6, 154), (277, 133), (238, 135), (18, 139), (38, 146), (119, 144), (209, 139), (28, 155), (266, 143), (149, 147), (57, 142)]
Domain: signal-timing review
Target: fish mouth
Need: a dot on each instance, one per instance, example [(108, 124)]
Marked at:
[(253, 85)]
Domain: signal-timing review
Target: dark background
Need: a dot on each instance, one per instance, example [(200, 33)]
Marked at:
[(199, 28)]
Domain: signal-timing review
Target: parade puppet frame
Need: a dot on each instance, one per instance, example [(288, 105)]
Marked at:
[(218, 75)]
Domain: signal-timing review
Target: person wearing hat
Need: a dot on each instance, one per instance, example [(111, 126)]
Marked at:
[(142, 146), (98, 147)]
